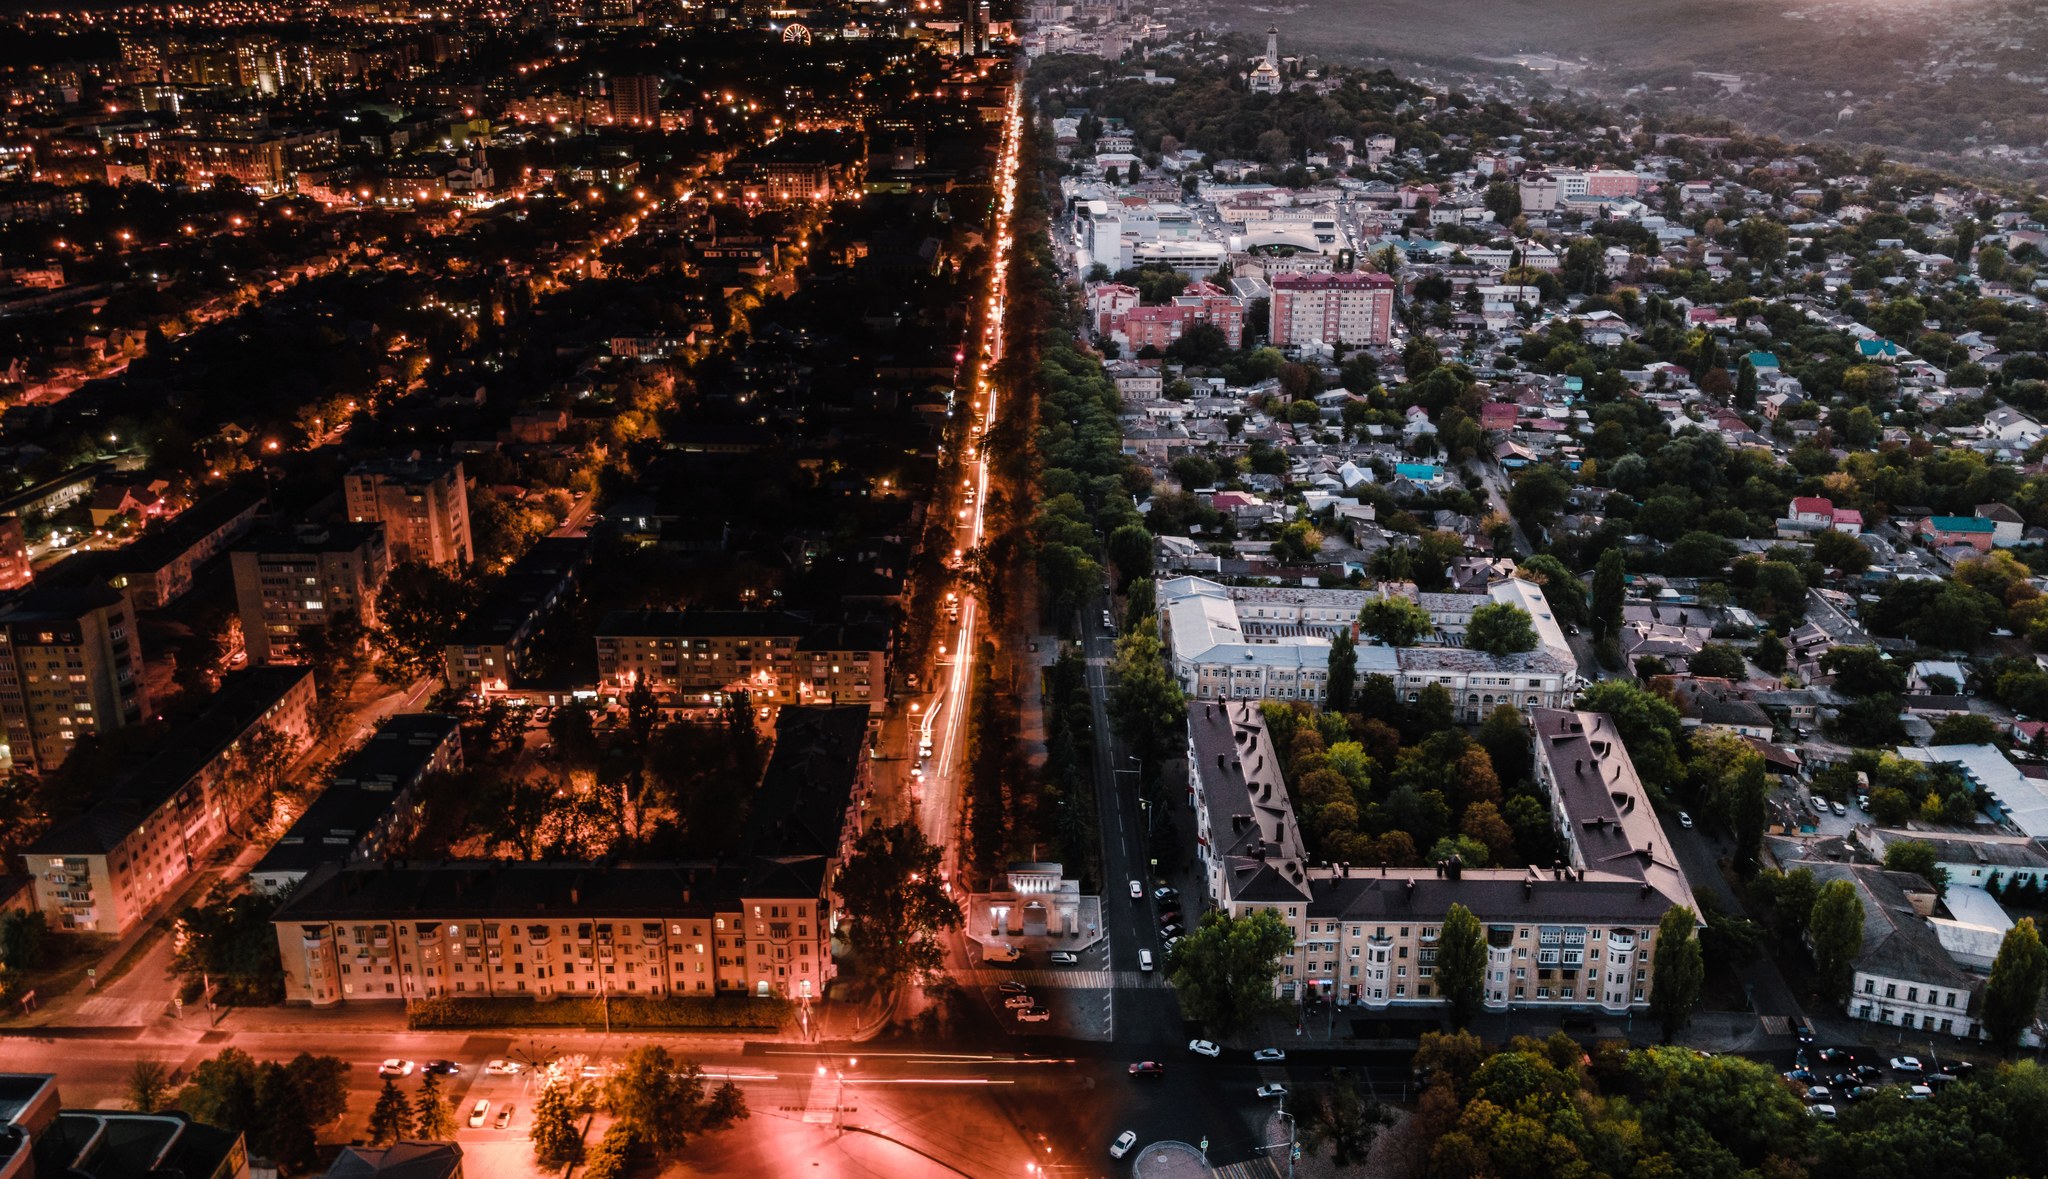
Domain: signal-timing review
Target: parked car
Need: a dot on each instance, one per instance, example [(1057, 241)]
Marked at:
[(1169, 944), (1034, 1015), (1012, 987), (1815, 1094), (1123, 1144), (1172, 929), (503, 1068), (1204, 1048), (1858, 1092), (1272, 1090), (1800, 1076), (1919, 1092), (396, 1068), (1685, 820), (1269, 1055), (1148, 1068), (477, 1112), (1017, 1001), (1825, 1113), (1868, 1073), (1907, 1064), (504, 1118), (1163, 893), (1065, 958), (1839, 808)]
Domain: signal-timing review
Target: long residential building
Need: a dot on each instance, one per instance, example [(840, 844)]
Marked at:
[(371, 799), (1273, 642), (137, 844), (698, 656), (493, 648), (1353, 308), (70, 667), (1574, 936), (757, 922)]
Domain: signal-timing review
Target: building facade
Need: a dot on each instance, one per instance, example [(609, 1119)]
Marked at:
[(423, 505), (371, 800), (290, 583), (697, 657), (70, 667), (491, 650), (1353, 308)]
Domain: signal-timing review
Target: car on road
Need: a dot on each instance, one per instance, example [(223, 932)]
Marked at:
[(1016, 1001), (1137, 890), (396, 1068), (1838, 1056), (1869, 1073), (441, 1068), (1204, 1048), (1269, 1055), (1272, 1090), (503, 1068), (1839, 808), (477, 1112), (1123, 1144), (1907, 1064), (1840, 1080), (504, 1118), (1065, 958), (1108, 623), (1685, 820), (1034, 1015), (1012, 987), (1148, 1068)]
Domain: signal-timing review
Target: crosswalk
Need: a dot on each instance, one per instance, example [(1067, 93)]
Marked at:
[(1252, 1169), (822, 1104), (109, 1012), (1099, 980)]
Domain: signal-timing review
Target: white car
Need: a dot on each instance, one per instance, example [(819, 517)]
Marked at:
[(477, 1113), (1685, 820), (1269, 1055), (1825, 1113), (1137, 891), (1272, 1090), (1204, 1048), (395, 1068), (1123, 1144), (503, 1068)]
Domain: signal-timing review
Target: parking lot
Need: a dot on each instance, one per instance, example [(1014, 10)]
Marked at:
[(1075, 999)]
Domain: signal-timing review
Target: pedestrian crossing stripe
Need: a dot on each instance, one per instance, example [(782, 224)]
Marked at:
[(108, 1011), (1099, 980)]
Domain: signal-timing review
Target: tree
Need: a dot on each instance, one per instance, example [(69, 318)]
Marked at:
[(1461, 963), (1719, 661), (432, 1120), (895, 902), (1343, 672), (1649, 725), (24, 939), (2014, 991), (1501, 628), (229, 940), (1609, 584), (222, 1091), (1395, 620), (1130, 551), (1770, 653), (1918, 857), (283, 1131), (1863, 671), (1224, 969), (613, 1155), (555, 1139), (149, 1085), (1745, 385), (1839, 550), (1675, 988), (1146, 707), (663, 1100), (1565, 593), (391, 1118), (416, 609), (1835, 931)]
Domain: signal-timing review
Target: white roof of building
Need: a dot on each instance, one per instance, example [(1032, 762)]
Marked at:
[(2024, 801)]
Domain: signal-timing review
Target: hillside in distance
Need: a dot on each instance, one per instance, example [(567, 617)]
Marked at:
[(1955, 79)]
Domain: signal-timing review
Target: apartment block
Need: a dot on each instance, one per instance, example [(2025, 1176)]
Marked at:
[(70, 666), (423, 505), (371, 800), (1353, 308), (139, 842), (492, 648), (1273, 642), (290, 583), (1573, 936), (758, 922), (778, 658), (16, 571), (157, 567)]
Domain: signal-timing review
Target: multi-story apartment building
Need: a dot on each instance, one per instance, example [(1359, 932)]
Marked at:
[(137, 845), (371, 800), (1572, 936), (70, 666), (1273, 642), (634, 99), (422, 503), (758, 922), (16, 570), (157, 567), (777, 658), (1351, 308), (1904, 976), (490, 651), (287, 583)]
